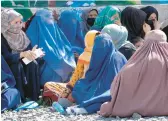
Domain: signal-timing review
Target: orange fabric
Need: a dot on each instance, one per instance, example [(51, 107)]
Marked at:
[(78, 73), (89, 42)]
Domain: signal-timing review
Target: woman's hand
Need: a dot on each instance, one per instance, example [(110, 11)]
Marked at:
[(30, 55), (118, 22), (146, 28), (157, 25)]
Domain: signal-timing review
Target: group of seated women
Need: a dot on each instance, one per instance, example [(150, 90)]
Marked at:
[(107, 61)]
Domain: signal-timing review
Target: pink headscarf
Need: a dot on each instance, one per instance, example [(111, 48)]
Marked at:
[(142, 85)]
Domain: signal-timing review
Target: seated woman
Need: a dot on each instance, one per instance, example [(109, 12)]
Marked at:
[(59, 61), (69, 24), (141, 86), (134, 20), (109, 15), (119, 35), (87, 19), (15, 46), (64, 89), (105, 64), (10, 96), (152, 17)]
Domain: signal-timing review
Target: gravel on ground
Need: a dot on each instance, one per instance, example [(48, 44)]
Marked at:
[(46, 114)]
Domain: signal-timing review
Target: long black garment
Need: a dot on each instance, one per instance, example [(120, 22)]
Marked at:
[(27, 76)]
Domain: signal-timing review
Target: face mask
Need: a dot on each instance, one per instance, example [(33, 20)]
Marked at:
[(16, 28), (90, 21), (150, 22)]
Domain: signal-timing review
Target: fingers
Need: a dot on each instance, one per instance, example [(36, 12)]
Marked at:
[(157, 25), (33, 55), (42, 55), (30, 55), (42, 52), (34, 48), (117, 22)]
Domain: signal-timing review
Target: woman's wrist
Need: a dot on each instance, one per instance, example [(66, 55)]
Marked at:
[(21, 54)]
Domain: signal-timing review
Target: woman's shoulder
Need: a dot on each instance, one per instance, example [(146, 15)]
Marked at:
[(129, 46), (3, 41)]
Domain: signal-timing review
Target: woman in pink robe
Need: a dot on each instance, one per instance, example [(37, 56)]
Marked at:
[(142, 85)]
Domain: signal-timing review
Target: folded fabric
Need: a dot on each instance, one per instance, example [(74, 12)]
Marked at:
[(27, 105), (10, 98)]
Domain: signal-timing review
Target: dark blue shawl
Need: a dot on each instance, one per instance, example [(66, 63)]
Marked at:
[(6, 74)]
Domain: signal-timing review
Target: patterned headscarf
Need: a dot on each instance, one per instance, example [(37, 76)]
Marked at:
[(14, 35)]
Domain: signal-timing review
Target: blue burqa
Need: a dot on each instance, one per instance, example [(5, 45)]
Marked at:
[(70, 25), (105, 63), (10, 97), (59, 59)]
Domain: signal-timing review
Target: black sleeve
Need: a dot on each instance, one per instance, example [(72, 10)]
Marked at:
[(127, 52), (9, 56)]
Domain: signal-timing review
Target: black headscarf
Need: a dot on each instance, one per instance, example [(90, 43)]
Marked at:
[(133, 19), (149, 10)]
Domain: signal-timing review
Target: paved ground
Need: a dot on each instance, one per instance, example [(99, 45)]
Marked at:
[(46, 114)]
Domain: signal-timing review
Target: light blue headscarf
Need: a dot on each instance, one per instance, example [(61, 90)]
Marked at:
[(119, 34), (59, 59)]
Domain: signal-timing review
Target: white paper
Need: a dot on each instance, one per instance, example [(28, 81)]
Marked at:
[(38, 53)]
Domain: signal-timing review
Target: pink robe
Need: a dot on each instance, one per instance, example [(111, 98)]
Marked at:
[(142, 85)]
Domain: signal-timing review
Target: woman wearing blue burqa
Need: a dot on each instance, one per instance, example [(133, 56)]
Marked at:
[(10, 96), (70, 25), (90, 92), (59, 60)]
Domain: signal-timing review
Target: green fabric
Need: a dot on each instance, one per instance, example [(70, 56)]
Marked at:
[(115, 2), (25, 12), (5, 3), (104, 17)]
